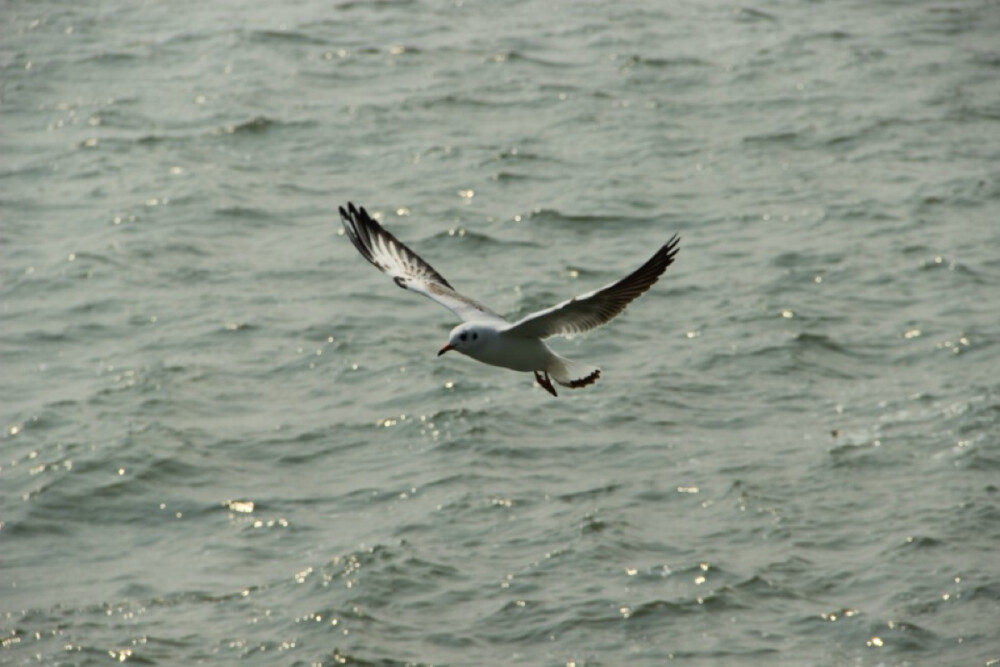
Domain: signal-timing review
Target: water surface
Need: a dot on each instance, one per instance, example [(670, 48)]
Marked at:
[(226, 438)]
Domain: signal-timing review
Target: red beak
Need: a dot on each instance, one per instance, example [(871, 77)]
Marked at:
[(445, 349)]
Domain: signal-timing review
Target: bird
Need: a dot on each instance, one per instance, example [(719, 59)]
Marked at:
[(487, 337)]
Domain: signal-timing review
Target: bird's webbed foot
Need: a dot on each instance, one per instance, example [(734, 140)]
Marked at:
[(545, 383)]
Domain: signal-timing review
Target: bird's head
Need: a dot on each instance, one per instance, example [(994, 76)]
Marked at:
[(467, 338)]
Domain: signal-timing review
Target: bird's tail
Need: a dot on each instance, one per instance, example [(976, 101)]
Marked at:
[(572, 374)]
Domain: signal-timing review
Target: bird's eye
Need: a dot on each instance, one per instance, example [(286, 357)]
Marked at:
[(463, 336), (475, 336)]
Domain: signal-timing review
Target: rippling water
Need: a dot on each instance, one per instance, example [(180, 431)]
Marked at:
[(226, 438)]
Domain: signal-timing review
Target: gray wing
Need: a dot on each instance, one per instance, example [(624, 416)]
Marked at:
[(389, 255), (593, 309)]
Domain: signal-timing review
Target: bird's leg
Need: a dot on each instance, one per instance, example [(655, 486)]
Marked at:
[(546, 383)]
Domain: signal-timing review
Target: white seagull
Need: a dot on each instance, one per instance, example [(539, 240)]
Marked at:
[(489, 338)]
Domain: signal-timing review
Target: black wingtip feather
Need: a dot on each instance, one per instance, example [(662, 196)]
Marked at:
[(646, 275), (362, 229), (354, 228)]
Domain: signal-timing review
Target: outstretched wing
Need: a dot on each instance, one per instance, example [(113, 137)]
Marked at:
[(407, 269), (593, 309)]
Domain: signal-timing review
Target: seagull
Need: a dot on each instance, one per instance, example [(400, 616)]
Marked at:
[(486, 336)]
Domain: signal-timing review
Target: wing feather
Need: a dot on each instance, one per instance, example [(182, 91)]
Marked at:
[(593, 309), (406, 268)]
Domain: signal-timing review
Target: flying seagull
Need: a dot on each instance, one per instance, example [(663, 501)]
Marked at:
[(489, 338)]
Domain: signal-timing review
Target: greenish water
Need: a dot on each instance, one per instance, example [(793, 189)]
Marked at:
[(226, 438)]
